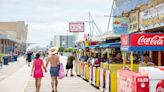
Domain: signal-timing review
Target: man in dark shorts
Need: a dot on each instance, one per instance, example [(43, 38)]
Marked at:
[(69, 64), (29, 58), (54, 61)]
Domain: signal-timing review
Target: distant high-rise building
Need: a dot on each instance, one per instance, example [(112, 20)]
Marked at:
[(65, 41)]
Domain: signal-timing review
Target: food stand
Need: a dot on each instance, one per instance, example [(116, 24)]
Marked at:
[(144, 42), (109, 71)]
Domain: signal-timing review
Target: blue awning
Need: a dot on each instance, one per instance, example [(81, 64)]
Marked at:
[(7, 38), (143, 48), (92, 47), (116, 44), (106, 45)]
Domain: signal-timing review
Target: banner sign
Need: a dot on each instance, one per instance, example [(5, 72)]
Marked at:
[(120, 25), (147, 40), (142, 40), (76, 27), (133, 22), (152, 18), (124, 40)]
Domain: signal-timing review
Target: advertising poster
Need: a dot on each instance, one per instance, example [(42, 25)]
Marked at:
[(120, 25), (76, 27), (152, 18), (133, 22)]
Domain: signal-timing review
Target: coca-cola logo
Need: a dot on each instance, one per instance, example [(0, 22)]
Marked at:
[(160, 86), (155, 40)]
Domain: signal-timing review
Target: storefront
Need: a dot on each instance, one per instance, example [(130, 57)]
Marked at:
[(149, 78), (7, 44), (151, 21)]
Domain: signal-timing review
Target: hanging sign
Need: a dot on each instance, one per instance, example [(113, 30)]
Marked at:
[(152, 18), (120, 25), (133, 22)]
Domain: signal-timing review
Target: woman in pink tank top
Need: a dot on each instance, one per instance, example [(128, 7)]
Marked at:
[(37, 71)]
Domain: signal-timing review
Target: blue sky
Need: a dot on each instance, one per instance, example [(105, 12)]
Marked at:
[(47, 18)]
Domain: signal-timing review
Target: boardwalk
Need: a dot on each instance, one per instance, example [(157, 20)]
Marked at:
[(16, 78), (68, 84)]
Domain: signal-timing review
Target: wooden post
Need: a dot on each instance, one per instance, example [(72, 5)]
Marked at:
[(102, 53), (85, 52), (151, 54), (94, 52), (131, 61), (108, 52), (112, 51), (159, 58), (124, 58)]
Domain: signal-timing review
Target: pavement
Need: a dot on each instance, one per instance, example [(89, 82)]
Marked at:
[(67, 84), (15, 77), (12, 67)]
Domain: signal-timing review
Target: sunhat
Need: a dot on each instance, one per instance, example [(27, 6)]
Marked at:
[(53, 50)]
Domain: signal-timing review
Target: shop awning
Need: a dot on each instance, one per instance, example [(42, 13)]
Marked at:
[(92, 47), (7, 38), (115, 44), (106, 45)]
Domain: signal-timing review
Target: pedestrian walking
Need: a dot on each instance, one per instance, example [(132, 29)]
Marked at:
[(37, 71), (1, 62), (29, 58), (69, 64), (54, 61)]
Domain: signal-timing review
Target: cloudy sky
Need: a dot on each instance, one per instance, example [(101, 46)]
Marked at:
[(46, 18)]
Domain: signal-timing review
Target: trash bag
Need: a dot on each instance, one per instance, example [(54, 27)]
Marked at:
[(61, 72)]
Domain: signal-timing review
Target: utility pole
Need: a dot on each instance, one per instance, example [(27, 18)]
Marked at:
[(93, 25)]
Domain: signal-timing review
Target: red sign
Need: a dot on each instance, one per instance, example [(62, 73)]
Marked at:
[(142, 84), (76, 27), (146, 39), (124, 40)]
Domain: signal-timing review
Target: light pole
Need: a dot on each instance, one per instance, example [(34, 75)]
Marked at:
[(110, 17)]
